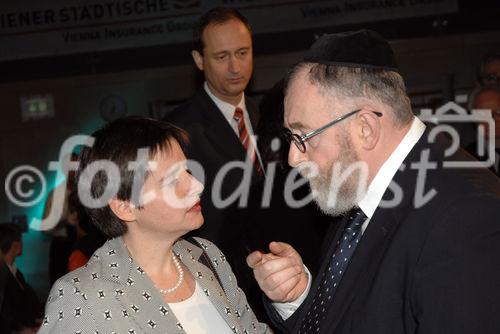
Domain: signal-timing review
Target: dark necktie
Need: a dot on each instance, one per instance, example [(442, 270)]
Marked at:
[(246, 140), (333, 273)]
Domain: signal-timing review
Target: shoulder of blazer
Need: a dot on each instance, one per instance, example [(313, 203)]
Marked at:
[(213, 258), (447, 184), (197, 109), (96, 273)]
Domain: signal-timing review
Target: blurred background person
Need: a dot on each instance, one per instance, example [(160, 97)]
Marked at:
[(88, 237), (20, 308), (487, 98), (60, 229), (489, 71)]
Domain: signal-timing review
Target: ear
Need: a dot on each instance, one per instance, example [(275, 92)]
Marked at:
[(198, 59), (122, 209), (368, 130)]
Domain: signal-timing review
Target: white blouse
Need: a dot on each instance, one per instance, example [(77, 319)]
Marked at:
[(198, 315)]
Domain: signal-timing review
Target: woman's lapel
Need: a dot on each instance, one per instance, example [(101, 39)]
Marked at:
[(191, 257)]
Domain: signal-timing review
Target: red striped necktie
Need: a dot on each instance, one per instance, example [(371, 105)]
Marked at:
[(245, 139)]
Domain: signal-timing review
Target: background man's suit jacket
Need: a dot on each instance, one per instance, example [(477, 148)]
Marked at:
[(213, 143), (19, 304), (112, 294), (421, 269)]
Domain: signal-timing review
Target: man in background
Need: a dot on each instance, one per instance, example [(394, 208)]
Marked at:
[(487, 98), (489, 71), (220, 120), (219, 114), (20, 309)]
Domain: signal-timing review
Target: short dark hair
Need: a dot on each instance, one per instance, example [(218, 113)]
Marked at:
[(119, 142), (489, 58), (217, 15), (9, 233)]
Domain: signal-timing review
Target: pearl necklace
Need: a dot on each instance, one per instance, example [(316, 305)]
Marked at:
[(179, 280)]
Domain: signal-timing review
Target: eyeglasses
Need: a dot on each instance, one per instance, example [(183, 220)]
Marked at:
[(300, 140)]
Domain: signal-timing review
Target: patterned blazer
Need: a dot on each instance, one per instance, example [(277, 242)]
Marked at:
[(112, 294)]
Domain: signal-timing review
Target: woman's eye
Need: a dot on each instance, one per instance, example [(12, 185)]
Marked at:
[(171, 182)]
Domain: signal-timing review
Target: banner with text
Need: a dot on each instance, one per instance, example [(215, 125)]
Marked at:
[(59, 27)]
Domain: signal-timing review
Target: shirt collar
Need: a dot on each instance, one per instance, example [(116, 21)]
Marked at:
[(227, 109), (384, 176)]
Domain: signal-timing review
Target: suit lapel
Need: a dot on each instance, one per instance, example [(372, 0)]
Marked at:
[(217, 129), (190, 256), (363, 265), (376, 239), (143, 302)]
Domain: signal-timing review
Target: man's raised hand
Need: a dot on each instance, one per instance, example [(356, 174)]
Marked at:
[(279, 273)]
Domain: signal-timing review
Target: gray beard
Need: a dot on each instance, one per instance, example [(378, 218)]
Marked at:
[(337, 196), (344, 185)]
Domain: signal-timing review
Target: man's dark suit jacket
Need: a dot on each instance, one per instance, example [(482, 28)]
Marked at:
[(213, 143), (421, 269), (19, 305)]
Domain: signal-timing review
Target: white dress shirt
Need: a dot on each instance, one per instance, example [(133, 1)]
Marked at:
[(372, 198), (227, 109)]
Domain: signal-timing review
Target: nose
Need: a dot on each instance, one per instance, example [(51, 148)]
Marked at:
[(234, 65), (195, 186), (295, 156)]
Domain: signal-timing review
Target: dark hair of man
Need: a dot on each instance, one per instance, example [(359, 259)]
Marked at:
[(385, 86), (489, 58), (9, 233), (217, 15), (119, 142)]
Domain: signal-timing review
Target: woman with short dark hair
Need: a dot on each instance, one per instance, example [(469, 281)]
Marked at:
[(137, 189)]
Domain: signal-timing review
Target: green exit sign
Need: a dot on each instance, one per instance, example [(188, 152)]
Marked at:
[(37, 107)]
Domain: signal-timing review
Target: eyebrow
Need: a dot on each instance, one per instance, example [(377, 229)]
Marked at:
[(219, 53), (171, 173), (244, 48), (297, 125)]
